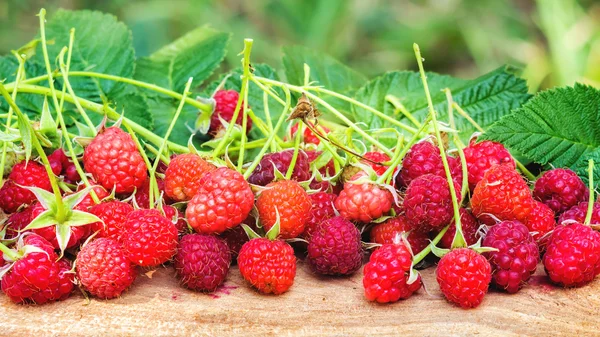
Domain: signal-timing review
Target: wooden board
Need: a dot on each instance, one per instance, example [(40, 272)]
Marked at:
[(314, 306)]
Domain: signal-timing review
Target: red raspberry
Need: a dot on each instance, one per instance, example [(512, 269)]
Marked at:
[(17, 221), (88, 201), (182, 178), (464, 277), (225, 103), (78, 233), (149, 239), (309, 136), (560, 189), (56, 159), (62, 165), (113, 214), (269, 266), (114, 161), (480, 157), (236, 237), (502, 193), (24, 174), (540, 222), (176, 217), (363, 202), (379, 157), (66, 280), (387, 272), (572, 256), (202, 261), (388, 232), (223, 201), (517, 256), (103, 269), (35, 277), (424, 158), (265, 171), (578, 212), (288, 199), (321, 209), (470, 228), (142, 194), (428, 202), (335, 248)]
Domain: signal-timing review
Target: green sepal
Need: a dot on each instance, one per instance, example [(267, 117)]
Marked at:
[(80, 218), (273, 233), (27, 51), (439, 252), (11, 136), (73, 200), (63, 235), (45, 198), (48, 126), (202, 123), (250, 232), (26, 134), (413, 276), (45, 219)]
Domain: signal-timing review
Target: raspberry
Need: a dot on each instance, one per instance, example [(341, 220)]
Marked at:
[(88, 201), (464, 277), (363, 202), (572, 256), (387, 233), (149, 239), (113, 215), (103, 269), (66, 280), (309, 136), (56, 161), (321, 209), (78, 233), (24, 174), (62, 165), (235, 239), (428, 203), (202, 262), (176, 217), (114, 161), (18, 221), (182, 178), (265, 171), (540, 222), (335, 248), (225, 103), (424, 158), (223, 201), (269, 266), (142, 194), (469, 226), (480, 157), (560, 189), (379, 157), (517, 256), (288, 199), (578, 212), (503, 193), (387, 272)]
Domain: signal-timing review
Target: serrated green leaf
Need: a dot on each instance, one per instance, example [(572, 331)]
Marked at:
[(560, 127), (485, 99), (581, 167), (30, 104), (196, 54), (135, 104)]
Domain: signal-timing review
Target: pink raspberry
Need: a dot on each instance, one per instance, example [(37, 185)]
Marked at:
[(428, 203), (560, 189)]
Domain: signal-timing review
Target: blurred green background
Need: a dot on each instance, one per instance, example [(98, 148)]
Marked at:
[(557, 42)]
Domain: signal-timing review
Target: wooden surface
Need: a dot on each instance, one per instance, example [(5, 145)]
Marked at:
[(313, 307)]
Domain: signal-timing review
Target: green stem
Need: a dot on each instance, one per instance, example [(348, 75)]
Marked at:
[(590, 209), (64, 71), (268, 116), (290, 170), (459, 147), (401, 108), (11, 254), (68, 66), (422, 254), (459, 240), (245, 78), (20, 71)]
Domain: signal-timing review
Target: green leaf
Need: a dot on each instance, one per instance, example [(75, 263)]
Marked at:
[(325, 70), (163, 110), (30, 104), (197, 54), (560, 127), (485, 99), (136, 107)]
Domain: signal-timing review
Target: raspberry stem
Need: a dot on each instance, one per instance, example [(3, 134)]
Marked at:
[(459, 146), (399, 107), (459, 239), (11, 254), (245, 77), (590, 209), (290, 170), (422, 254), (268, 116)]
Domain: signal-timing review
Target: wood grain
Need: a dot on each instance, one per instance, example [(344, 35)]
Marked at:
[(314, 306)]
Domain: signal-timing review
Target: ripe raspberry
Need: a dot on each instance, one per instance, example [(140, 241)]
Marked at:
[(572, 256), (35, 277), (363, 202), (288, 199), (176, 217), (223, 201), (265, 171), (78, 233), (269, 266), (236, 237), (578, 212), (503, 193), (387, 273), (88, 201), (379, 157), (387, 232), (114, 161), (540, 222), (66, 280), (113, 214), (225, 103), (103, 269), (148, 238), (424, 158), (56, 161), (202, 261), (25, 174), (182, 178), (142, 194), (62, 165), (428, 202), (335, 248), (464, 277), (17, 221), (480, 157), (321, 209), (560, 189), (469, 226), (309, 136), (517, 256)]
